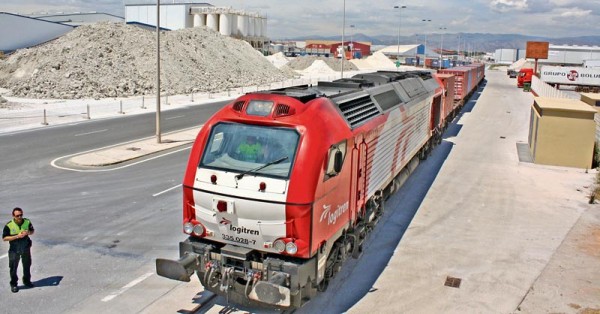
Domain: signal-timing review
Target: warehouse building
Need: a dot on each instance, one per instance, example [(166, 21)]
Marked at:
[(77, 18), (31, 31), (557, 55), (248, 26)]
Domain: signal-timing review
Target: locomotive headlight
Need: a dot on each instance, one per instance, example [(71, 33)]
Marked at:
[(279, 245), (188, 227), (198, 230), (291, 248)]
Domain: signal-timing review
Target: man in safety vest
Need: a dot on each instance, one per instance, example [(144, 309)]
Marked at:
[(17, 232)]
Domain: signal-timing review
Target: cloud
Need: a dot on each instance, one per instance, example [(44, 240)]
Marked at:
[(576, 13), (508, 5)]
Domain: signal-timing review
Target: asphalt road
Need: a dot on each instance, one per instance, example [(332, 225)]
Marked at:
[(96, 233)]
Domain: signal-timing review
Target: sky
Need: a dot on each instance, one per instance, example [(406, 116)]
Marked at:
[(288, 19)]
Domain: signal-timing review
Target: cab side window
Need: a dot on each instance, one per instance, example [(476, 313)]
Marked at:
[(335, 159)]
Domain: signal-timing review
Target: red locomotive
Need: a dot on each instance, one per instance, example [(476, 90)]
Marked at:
[(283, 185)]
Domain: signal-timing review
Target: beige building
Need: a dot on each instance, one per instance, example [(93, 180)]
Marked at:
[(562, 132)]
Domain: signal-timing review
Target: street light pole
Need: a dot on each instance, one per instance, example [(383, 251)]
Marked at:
[(425, 46), (343, 33), (399, 26), (351, 43), (158, 139), (442, 47)]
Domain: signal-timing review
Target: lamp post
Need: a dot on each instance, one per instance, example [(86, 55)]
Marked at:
[(351, 43), (425, 52), (158, 139), (442, 47), (343, 33), (399, 7)]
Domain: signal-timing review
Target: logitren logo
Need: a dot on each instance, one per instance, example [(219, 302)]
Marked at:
[(332, 216), (573, 75)]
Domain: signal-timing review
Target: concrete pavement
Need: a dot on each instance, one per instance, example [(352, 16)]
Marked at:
[(520, 237)]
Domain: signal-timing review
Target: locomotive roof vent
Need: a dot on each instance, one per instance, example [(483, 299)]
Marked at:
[(283, 110), (358, 110)]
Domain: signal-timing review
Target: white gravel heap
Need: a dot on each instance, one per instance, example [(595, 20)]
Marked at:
[(302, 63), (278, 59), (115, 59)]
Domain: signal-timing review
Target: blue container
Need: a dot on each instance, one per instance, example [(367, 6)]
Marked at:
[(357, 55), (446, 64), (409, 61)]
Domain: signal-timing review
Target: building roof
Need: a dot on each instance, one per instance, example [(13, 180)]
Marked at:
[(78, 18), (563, 104)]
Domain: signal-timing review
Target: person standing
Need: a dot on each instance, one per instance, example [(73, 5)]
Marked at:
[(17, 232)]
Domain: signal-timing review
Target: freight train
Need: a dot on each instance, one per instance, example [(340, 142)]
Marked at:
[(282, 186)]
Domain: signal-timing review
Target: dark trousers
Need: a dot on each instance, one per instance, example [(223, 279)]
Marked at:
[(13, 264)]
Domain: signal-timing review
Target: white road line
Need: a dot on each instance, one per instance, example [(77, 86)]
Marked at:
[(127, 287), (93, 132), (3, 256), (53, 163), (175, 117), (167, 190)]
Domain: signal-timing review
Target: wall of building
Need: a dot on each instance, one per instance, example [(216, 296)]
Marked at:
[(31, 31), (172, 16)]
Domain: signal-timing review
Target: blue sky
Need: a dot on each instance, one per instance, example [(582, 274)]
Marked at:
[(550, 18)]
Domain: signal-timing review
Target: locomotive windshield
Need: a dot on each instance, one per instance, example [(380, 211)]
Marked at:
[(241, 148)]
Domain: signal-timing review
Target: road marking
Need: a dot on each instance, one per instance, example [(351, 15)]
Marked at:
[(127, 287), (93, 132), (167, 190), (175, 117), (3, 256), (53, 163)]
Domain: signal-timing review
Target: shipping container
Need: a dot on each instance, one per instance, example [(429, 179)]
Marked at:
[(449, 105), (463, 83)]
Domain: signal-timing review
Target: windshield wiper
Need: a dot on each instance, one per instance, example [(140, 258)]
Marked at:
[(241, 175)]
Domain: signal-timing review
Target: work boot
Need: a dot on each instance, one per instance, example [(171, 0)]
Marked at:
[(28, 284), (14, 289)]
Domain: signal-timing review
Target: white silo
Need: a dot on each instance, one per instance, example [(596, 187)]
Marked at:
[(212, 21), (264, 28), (199, 20), (225, 24), (251, 26), (242, 24), (257, 26), (234, 27)]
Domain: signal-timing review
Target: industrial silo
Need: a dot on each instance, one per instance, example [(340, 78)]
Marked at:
[(234, 27), (199, 20), (212, 21), (251, 23), (242, 25), (225, 24), (264, 27)]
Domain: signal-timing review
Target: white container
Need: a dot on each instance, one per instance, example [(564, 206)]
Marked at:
[(257, 25), (234, 28), (242, 25), (251, 32), (264, 28), (212, 21), (199, 20), (225, 24)]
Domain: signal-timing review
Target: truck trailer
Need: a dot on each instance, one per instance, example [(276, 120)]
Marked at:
[(583, 78)]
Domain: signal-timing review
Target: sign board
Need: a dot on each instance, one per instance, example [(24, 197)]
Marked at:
[(570, 75), (537, 49)]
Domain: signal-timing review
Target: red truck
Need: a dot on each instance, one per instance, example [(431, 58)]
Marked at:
[(524, 76)]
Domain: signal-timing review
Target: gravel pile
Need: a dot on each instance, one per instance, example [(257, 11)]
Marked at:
[(302, 63), (115, 59)]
